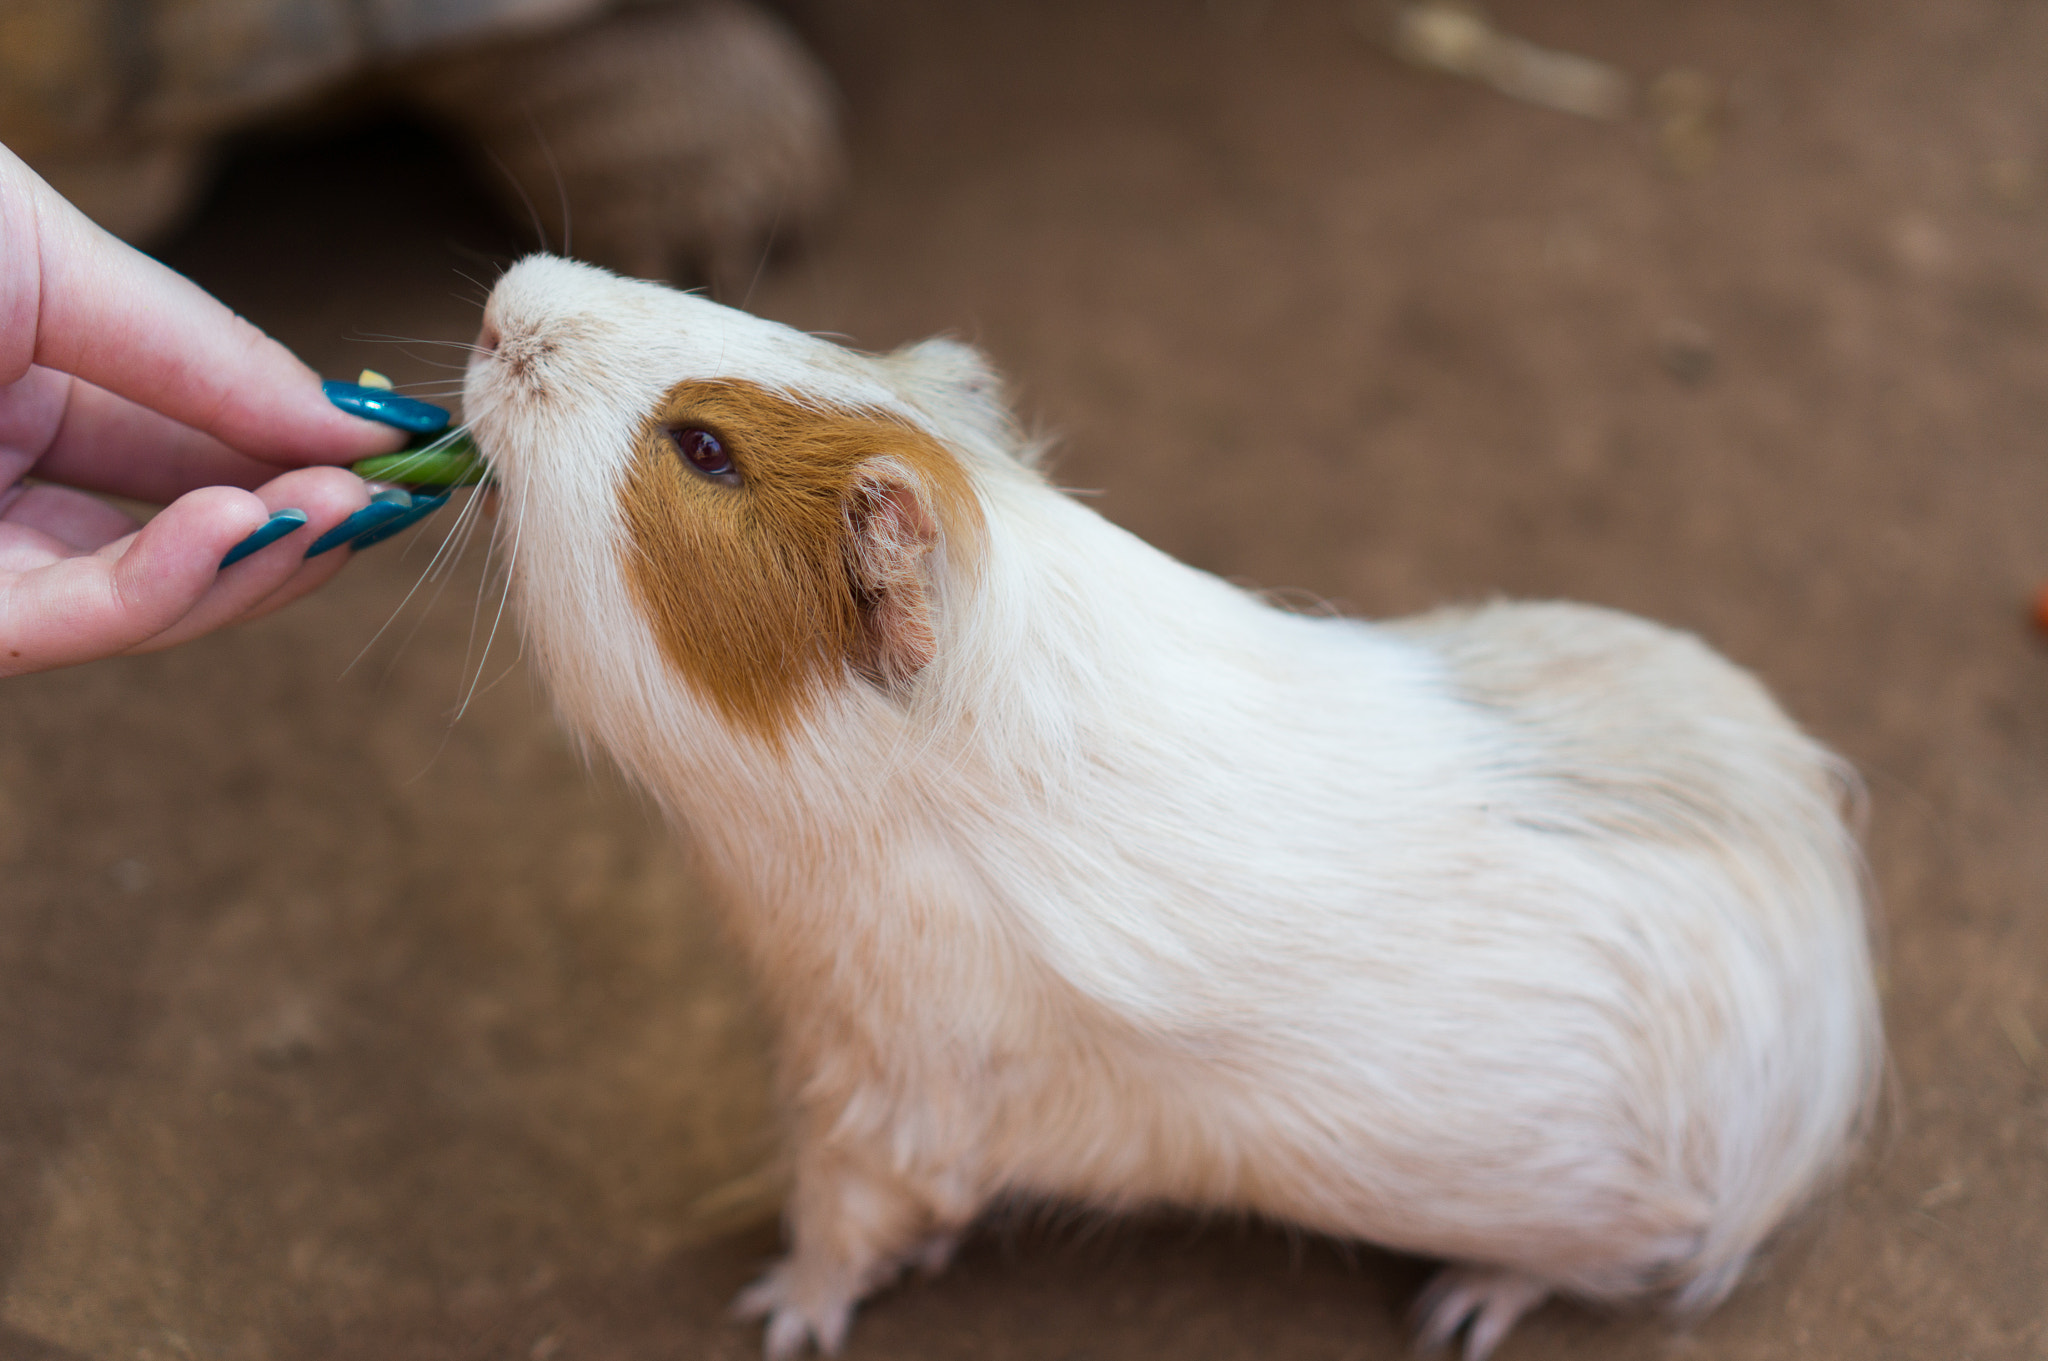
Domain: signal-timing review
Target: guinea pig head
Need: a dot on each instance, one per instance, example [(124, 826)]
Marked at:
[(757, 514)]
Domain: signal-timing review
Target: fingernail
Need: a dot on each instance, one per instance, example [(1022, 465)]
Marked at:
[(387, 407), (422, 507), (280, 523), (379, 512)]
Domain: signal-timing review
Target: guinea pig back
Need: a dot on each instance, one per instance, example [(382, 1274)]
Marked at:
[(1527, 937)]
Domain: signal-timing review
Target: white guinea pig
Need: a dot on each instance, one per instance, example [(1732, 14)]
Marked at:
[(1528, 937)]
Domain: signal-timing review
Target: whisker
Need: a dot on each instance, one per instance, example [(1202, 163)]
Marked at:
[(459, 534), (446, 384), (511, 563), (469, 345), (493, 258), (441, 551), (519, 652), (440, 387), (408, 460), (428, 608), (476, 612), (510, 667), (533, 214), (386, 627), (767, 248), (466, 520), (821, 289), (561, 187), (476, 686), (450, 371), (404, 345)]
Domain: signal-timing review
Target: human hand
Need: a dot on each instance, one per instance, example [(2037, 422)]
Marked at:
[(119, 376)]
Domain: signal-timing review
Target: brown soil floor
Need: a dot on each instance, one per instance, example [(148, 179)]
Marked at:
[(335, 1025)]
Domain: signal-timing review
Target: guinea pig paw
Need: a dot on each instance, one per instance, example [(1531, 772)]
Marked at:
[(793, 1323), (1484, 1301)]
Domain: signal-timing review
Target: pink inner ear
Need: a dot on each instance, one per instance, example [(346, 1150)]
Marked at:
[(893, 533)]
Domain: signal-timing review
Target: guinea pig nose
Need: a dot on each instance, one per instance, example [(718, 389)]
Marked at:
[(487, 338)]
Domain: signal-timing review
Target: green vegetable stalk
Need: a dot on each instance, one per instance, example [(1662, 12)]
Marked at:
[(449, 460)]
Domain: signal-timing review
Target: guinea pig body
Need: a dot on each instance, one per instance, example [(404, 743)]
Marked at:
[(1529, 937)]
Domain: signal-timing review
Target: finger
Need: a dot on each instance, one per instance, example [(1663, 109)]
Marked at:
[(421, 509), (31, 414), (79, 522), (70, 431), (74, 298), (77, 608), (23, 549), (281, 572)]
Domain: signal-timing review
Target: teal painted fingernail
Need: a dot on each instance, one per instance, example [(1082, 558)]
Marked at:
[(387, 407), (280, 523), (422, 507), (370, 517)]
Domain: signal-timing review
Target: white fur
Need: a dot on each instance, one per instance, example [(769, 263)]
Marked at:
[(1529, 937)]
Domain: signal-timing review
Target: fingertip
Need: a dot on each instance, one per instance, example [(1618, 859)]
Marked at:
[(339, 436), (329, 496), (317, 488), (299, 424), (281, 523), (194, 532), (387, 407), (163, 570)]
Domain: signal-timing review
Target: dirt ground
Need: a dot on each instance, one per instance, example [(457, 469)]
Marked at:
[(335, 1023)]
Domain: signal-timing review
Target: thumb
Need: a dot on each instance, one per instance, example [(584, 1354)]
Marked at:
[(76, 609)]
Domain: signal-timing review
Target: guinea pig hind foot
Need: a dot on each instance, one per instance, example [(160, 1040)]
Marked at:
[(819, 1311), (793, 1322), (1484, 1301)]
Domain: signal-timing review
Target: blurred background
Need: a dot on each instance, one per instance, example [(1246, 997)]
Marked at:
[(345, 1013)]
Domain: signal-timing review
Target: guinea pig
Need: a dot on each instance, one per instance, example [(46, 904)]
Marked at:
[(1528, 937)]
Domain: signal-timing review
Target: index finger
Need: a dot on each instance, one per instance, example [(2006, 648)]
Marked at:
[(74, 298)]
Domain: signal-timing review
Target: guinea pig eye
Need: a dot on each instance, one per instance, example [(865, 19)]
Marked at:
[(705, 452)]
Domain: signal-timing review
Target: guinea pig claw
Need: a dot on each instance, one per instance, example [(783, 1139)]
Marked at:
[(1484, 1301), (759, 1299), (787, 1333), (935, 1253)]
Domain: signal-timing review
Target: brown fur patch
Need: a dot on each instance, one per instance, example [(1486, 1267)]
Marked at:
[(763, 592)]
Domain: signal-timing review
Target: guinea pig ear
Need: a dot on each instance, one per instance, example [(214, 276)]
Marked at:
[(954, 384), (945, 362), (891, 533)]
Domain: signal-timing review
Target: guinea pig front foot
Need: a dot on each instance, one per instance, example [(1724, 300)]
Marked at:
[(1484, 1301)]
